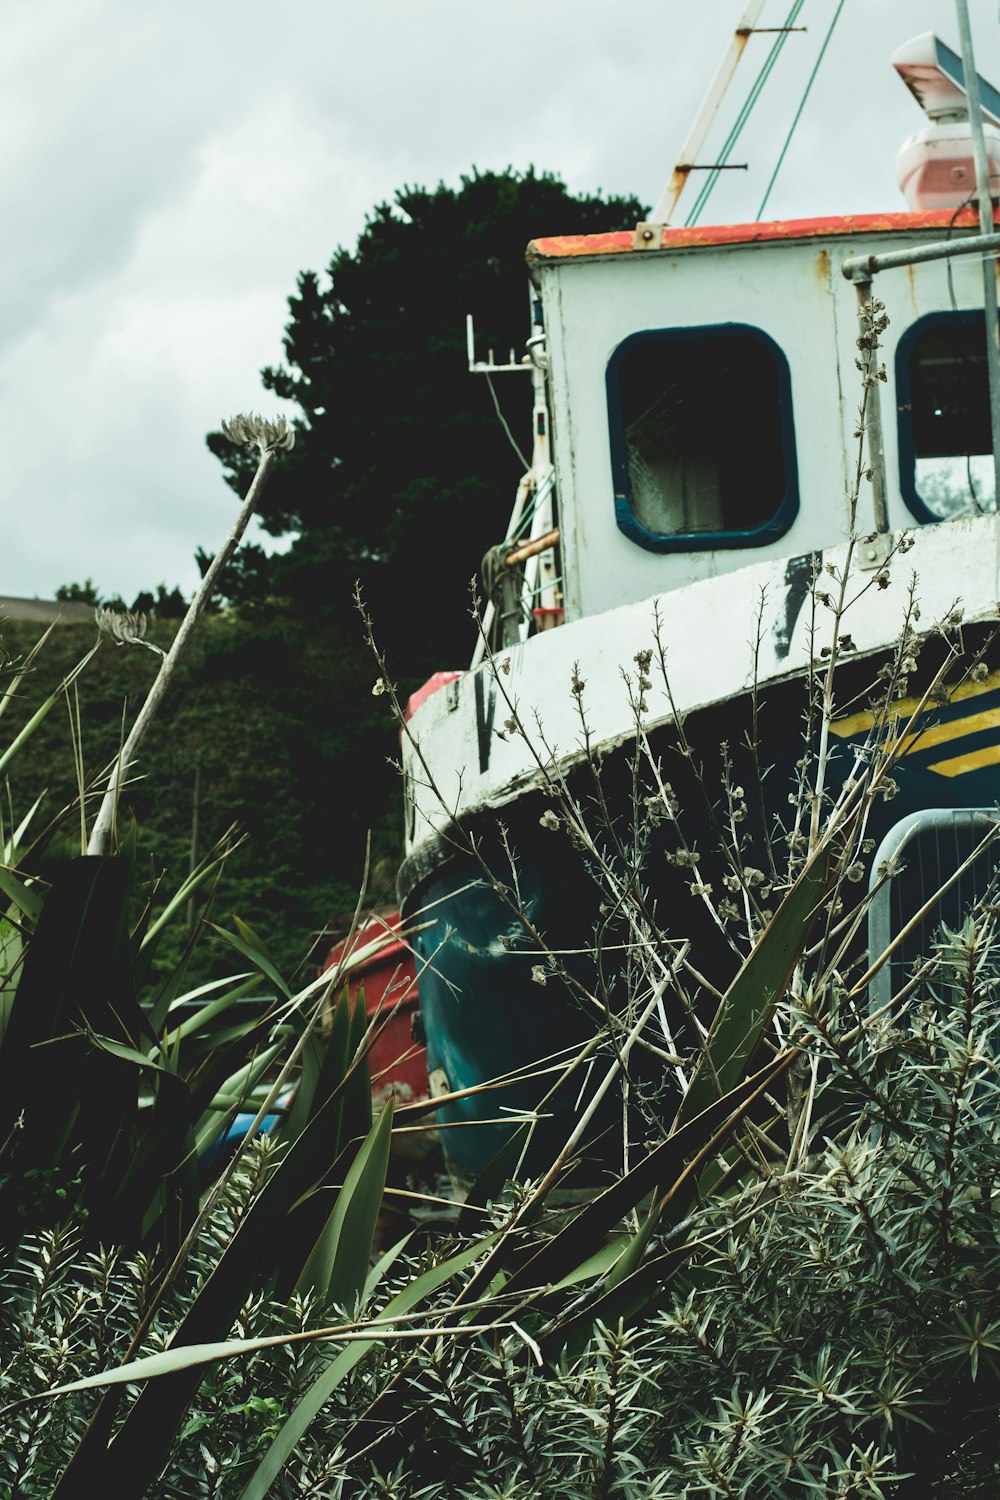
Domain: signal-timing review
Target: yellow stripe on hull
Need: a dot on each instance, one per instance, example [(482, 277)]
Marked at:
[(938, 734), (859, 723), (975, 760)]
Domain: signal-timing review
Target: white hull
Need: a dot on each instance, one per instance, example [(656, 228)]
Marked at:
[(707, 629)]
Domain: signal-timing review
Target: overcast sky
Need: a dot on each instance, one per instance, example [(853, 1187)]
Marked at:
[(168, 169)]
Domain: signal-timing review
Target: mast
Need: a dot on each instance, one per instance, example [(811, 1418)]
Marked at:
[(706, 114), (985, 198)]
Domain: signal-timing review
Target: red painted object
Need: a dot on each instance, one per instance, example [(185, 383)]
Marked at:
[(397, 1063), (622, 241), (433, 685)]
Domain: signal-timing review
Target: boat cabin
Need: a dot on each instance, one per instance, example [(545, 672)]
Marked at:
[(704, 395), (702, 383)]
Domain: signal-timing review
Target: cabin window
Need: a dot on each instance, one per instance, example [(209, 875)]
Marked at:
[(701, 437), (945, 448)]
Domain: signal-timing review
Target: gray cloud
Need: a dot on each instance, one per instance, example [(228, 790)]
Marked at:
[(169, 169)]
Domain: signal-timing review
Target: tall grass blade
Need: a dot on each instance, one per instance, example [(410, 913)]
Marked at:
[(338, 1265), (27, 730), (246, 941)]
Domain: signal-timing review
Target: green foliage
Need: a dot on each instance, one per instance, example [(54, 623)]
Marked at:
[(836, 1331), (86, 592), (256, 719), (107, 1108), (115, 1083), (165, 604)]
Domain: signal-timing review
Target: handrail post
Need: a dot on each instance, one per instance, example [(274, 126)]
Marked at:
[(985, 198)]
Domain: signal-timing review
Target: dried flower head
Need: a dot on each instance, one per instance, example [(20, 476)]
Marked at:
[(250, 430), (125, 627), (549, 820)]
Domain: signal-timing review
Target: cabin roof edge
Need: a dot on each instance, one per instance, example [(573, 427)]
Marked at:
[(623, 241)]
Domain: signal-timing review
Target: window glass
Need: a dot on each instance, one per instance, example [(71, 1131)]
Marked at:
[(701, 441), (950, 417)]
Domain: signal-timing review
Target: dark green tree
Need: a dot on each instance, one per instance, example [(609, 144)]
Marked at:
[(86, 592), (402, 475)]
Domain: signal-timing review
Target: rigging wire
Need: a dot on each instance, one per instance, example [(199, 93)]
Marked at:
[(745, 112), (504, 423), (802, 105), (529, 510)]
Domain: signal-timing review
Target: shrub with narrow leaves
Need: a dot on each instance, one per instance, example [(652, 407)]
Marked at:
[(836, 1334)]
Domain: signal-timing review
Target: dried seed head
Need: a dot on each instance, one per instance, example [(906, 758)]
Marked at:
[(683, 859), (538, 975), (125, 627), (980, 672), (250, 430), (549, 819)]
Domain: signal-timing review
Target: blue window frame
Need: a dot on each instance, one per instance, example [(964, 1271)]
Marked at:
[(943, 401), (702, 438)]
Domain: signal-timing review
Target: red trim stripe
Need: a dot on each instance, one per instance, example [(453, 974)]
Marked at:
[(622, 241)]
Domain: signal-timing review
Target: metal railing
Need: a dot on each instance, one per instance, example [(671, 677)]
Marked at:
[(924, 851)]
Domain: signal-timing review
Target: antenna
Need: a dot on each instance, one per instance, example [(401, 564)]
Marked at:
[(489, 365)]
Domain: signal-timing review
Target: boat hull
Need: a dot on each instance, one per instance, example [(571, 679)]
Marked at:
[(493, 1003)]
